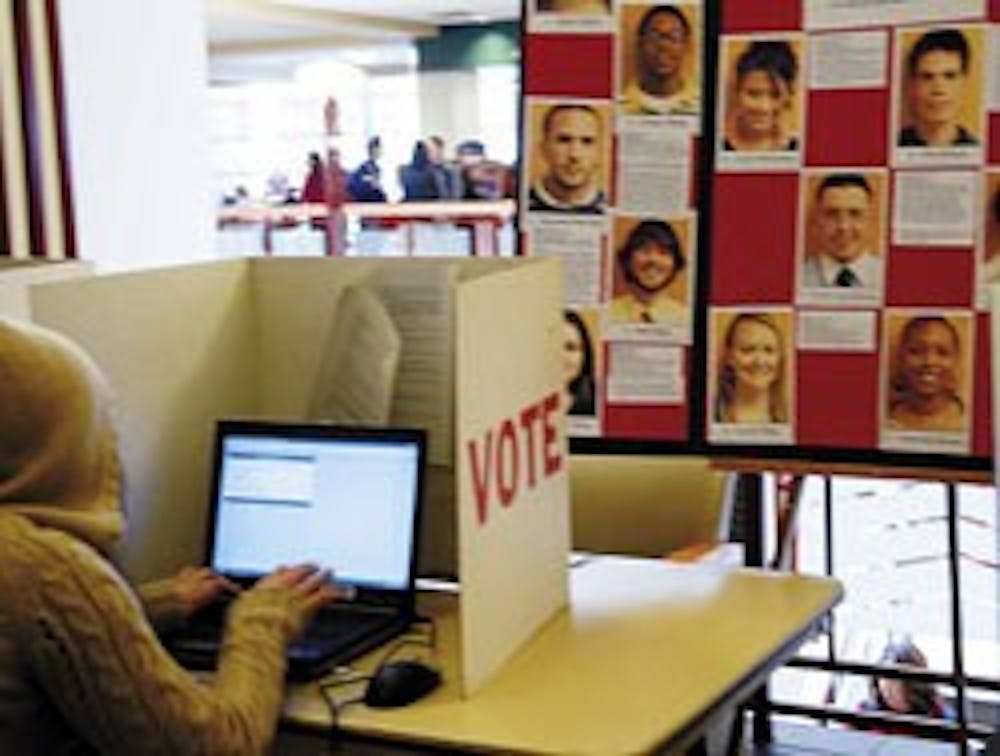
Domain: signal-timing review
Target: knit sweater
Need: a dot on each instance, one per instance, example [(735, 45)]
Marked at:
[(81, 667)]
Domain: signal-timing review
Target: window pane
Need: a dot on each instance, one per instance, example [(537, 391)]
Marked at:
[(979, 579), (890, 548)]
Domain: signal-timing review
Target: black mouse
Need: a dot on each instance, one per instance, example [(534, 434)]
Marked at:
[(398, 683)]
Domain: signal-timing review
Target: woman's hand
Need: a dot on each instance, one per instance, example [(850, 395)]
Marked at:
[(197, 587), (310, 587)]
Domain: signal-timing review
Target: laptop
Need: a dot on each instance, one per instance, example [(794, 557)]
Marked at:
[(347, 499)]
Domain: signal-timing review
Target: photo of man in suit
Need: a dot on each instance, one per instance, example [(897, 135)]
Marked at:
[(572, 147), (842, 229)]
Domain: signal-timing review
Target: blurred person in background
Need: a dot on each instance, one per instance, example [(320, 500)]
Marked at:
[(446, 176), (897, 696), (365, 183), (313, 188), (417, 176)]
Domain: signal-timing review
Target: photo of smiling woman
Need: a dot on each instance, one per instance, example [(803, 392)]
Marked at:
[(761, 113), (926, 369), (763, 87), (751, 397)]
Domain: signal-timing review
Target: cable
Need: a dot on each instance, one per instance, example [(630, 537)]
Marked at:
[(429, 641), (333, 704)]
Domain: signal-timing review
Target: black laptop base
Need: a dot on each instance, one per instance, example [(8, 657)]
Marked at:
[(308, 658)]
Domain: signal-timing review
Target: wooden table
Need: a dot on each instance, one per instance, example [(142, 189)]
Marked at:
[(643, 658)]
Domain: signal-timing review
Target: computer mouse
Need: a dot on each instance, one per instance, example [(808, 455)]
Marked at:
[(401, 682)]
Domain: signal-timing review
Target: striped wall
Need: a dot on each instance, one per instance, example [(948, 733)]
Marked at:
[(36, 210)]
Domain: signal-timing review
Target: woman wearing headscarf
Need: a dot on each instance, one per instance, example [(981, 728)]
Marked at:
[(81, 667)]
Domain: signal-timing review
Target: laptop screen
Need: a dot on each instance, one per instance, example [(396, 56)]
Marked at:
[(344, 499)]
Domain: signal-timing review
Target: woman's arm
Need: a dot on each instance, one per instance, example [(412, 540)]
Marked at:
[(168, 603), (83, 635)]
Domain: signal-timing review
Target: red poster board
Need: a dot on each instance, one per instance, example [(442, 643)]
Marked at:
[(853, 389)]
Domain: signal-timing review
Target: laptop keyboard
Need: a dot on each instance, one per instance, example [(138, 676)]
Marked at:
[(342, 626), (334, 636), (327, 625), (338, 631)]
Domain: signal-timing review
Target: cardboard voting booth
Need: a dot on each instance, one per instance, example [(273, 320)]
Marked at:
[(16, 275), (478, 367)]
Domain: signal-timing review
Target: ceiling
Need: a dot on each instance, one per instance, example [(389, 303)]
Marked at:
[(267, 39), (261, 25)]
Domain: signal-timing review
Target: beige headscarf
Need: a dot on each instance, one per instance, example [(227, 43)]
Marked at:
[(58, 456)]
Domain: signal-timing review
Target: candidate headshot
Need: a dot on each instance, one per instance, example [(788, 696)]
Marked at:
[(579, 366), (659, 62), (649, 260), (991, 251), (925, 375), (841, 246), (937, 91), (761, 97), (751, 380), (570, 147)]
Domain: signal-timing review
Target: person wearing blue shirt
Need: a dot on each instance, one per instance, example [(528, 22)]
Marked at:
[(365, 183)]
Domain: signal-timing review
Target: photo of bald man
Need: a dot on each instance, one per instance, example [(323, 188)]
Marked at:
[(570, 150)]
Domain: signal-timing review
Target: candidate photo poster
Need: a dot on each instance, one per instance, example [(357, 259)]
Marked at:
[(989, 265), (650, 278), (761, 103), (751, 396), (926, 377), (569, 16), (569, 153), (659, 60), (939, 109), (842, 237), (582, 366)]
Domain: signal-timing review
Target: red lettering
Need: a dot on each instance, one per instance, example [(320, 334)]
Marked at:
[(507, 454), (552, 452), (481, 476), (507, 460), (528, 417)]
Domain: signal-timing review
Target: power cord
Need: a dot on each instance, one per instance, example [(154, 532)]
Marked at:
[(348, 676)]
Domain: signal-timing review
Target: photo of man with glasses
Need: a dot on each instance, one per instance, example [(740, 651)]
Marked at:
[(664, 49)]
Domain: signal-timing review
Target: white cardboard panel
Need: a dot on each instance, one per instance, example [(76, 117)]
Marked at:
[(16, 278), (995, 373), (512, 560), (177, 346), (295, 299)]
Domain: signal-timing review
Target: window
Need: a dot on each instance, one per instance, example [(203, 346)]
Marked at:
[(888, 542)]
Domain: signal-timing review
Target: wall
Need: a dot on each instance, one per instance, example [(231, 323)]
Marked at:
[(448, 105), (470, 46), (448, 85), (135, 77)]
